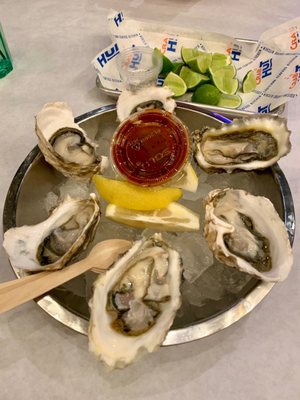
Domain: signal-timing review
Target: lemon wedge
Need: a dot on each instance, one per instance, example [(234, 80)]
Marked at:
[(174, 217), (188, 181), (133, 197)]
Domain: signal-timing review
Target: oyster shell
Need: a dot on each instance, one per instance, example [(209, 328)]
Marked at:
[(50, 244), (147, 97), (245, 231), (250, 143), (64, 144), (135, 302)]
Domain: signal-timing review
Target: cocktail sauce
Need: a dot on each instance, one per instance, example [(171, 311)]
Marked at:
[(150, 147)]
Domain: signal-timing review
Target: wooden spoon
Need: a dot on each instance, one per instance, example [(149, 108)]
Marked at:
[(18, 291)]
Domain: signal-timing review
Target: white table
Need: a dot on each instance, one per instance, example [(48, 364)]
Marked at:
[(258, 358)]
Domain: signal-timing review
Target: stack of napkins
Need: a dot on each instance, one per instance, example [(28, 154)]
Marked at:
[(275, 58)]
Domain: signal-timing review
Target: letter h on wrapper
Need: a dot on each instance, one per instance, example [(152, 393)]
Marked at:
[(266, 68), (108, 55)]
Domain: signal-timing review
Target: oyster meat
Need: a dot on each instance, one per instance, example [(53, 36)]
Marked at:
[(249, 143), (52, 243), (147, 97), (64, 144), (245, 231), (135, 302)]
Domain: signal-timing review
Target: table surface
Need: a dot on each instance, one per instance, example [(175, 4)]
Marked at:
[(52, 44)]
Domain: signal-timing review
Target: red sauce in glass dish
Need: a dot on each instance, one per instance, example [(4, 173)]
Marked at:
[(150, 147)]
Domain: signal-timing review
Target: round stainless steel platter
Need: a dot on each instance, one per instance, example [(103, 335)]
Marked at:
[(219, 297)]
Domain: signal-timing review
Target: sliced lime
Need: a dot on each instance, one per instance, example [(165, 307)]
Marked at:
[(188, 53), (177, 67), (167, 64), (228, 70), (176, 84), (230, 101), (201, 63), (231, 70), (206, 94), (220, 60), (192, 78), (249, 82), (224, 80)]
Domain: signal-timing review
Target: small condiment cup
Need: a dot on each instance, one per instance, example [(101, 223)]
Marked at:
[(138, 67), (151, 148)]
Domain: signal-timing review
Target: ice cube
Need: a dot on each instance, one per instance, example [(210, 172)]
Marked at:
[(202, 176), (195, 253), (74, 189), (233, 280), (208, 286), (202, 191), (112, 230), (220, 180), (51, 201)]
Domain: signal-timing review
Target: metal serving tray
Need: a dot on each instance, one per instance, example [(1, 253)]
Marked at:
[(222, 110), (69, 302), (232, 113)]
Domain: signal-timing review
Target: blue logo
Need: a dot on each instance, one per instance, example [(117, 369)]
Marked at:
[(235, 55), (160, 81), (264, 109), (266, 68), (172, 45), (108, 55), (135, 61), (119, 18), (169, 44), (234, 50), (295, 77)]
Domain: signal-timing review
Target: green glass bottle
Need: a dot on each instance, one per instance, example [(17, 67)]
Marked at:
[(5, 58)]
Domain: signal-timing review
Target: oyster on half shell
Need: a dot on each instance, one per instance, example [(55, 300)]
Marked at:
[(64, 144), (249, 143), (135, 302), (52, 243), (147, 97), (245, 231)]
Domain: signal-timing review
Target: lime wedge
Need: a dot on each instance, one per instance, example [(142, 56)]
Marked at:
[(224, 80), (192, 78), (177, 67), (176, 84), (188, 53), (249, 82), (220, 60), (230, 101), (201, 63), (228, 70), (174, 217), (167, 64), (221, 57), (206, 94)]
